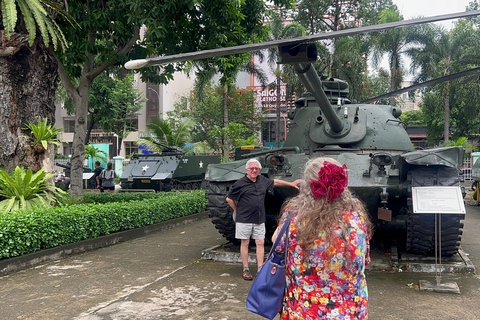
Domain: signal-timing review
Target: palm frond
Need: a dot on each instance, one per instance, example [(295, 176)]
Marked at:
[(24, 189), (9, 15), (35, 16), (40, 16), (29, 21)]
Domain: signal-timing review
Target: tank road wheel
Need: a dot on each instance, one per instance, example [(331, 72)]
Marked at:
[(188, 186), (179, 186), (219, 210), (196, 186), (421, 227)]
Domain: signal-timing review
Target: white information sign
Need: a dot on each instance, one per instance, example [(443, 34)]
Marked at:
[(441, 200), (87, 175)]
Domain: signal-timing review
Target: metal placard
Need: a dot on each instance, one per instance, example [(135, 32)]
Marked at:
[(442, 200), (87, 175)]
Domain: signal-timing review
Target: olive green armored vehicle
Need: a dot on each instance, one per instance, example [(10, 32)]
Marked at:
[(371, 141), (173, 169)]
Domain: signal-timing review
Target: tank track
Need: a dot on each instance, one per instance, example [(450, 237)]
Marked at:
[(421, 227), (219, 210)]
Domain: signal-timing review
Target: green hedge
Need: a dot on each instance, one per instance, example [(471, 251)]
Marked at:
[(124, 197), (25, 232)]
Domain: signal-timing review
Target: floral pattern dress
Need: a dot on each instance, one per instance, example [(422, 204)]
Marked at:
[(328, 282)]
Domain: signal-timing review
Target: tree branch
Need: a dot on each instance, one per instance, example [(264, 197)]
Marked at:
[(67, 83), (93, 73)]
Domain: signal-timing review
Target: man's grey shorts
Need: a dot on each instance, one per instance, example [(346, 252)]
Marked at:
[(249, 230)]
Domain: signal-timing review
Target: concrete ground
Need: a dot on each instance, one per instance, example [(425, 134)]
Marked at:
[(161, 275)]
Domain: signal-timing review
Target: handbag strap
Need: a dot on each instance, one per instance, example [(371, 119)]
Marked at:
[(284, 230)]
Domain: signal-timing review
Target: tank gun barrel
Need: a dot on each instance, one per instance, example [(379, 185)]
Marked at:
[(302, 56), (312, 82), (166, 148)]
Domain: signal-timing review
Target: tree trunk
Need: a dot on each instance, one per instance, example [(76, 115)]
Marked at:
[(81, 114), (226, 151), (277, 124), (28, 81), (446, 126), (393, 78)]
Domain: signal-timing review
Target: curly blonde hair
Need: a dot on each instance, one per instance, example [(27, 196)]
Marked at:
[(315, 215)]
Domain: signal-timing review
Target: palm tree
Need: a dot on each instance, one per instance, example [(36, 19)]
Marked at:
[(29, 75), (443, 53), (42, 135), (95, 153), (392, 42), (161, 133), (279, 30)]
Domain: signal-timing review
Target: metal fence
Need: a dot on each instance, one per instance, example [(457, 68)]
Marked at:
[(467, 169)]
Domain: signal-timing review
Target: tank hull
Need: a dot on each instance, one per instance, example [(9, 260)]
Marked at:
[(385, 190)]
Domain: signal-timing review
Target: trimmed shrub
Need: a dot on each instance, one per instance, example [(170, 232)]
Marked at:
[(30, 231), (124, 197)]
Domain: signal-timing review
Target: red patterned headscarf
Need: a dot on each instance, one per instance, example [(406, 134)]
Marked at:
[(332, 180)]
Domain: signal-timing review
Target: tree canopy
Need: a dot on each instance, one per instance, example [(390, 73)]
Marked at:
[(207, 115), (108, 34)]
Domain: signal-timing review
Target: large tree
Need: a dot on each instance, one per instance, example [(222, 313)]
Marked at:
[(113, 104), (345, 57), (28, 77), (109, 34)]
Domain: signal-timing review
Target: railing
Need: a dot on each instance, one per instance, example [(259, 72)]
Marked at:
[(467, 169)]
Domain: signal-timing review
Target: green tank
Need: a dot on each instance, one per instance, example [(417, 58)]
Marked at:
[(173, 169), (371, 140)]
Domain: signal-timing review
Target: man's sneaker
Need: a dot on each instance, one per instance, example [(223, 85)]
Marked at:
[(247, 275)]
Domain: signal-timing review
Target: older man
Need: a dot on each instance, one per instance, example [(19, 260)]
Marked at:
[(247, 197)]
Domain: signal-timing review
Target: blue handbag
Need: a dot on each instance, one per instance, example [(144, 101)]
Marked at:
[(268, 289)]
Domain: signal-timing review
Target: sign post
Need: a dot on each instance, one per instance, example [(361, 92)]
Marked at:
[(438, 200)]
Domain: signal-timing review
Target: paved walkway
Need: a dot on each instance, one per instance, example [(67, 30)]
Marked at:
[(161, 276)]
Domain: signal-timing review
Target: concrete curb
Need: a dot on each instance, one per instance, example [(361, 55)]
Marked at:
[(458, 263), (33, 259)]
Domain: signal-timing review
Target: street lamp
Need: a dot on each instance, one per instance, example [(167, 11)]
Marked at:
[(160, 113)]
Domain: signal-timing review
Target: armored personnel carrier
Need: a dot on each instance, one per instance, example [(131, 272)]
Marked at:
[(173, 169), (371, 140)]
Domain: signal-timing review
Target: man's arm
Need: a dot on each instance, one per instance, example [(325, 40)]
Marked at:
[(282, 183), (98, 181), (232, 204)]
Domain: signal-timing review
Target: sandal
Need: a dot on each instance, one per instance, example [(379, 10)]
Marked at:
[(247, 275)]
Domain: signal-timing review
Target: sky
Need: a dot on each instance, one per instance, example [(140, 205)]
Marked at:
[(414, 8)]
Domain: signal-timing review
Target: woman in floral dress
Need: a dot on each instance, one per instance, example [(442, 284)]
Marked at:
[(328, 247)]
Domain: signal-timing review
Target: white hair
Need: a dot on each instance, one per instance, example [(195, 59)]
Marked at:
[(253, 160)]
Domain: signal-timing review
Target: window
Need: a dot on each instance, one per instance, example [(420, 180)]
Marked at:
[(130, 148), (132, 124), (69, 126)]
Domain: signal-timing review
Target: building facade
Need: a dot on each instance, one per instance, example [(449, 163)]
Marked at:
[(160, 100)]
